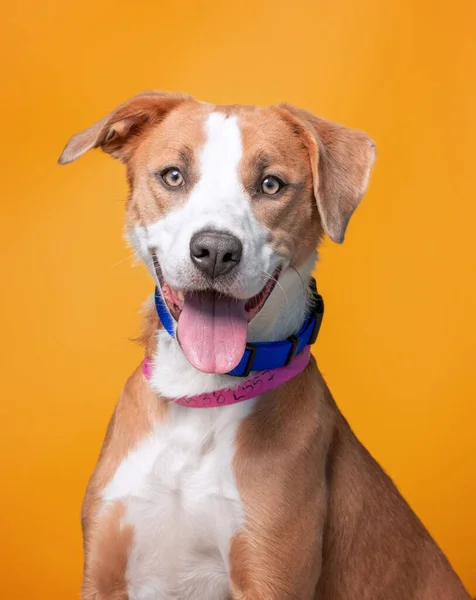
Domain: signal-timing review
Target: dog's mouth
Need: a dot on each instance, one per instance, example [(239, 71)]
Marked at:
[(212, 328)]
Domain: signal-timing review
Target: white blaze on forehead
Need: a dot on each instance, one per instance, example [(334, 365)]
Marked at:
[(220, 159)]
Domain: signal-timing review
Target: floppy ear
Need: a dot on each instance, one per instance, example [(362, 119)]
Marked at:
[(341, 161), (113, 132)]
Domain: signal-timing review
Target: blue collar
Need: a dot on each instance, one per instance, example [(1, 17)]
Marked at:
[(261, 356)]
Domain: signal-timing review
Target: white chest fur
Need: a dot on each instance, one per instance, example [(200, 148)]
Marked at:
[(178, 485), (183, 504)]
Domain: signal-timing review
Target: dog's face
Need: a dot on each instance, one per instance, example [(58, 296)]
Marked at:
[(223, 200)]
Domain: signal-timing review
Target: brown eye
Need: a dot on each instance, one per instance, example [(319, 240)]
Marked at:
[(271, 185), (172, 177)]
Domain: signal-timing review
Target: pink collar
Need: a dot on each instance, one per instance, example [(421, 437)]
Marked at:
[(259, 383)]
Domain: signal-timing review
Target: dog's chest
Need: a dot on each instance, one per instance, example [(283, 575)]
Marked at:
[(182, 502)]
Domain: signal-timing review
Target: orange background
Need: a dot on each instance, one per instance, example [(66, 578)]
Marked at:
[(398, 341)]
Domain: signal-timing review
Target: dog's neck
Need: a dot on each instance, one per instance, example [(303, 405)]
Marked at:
[(283, 314)]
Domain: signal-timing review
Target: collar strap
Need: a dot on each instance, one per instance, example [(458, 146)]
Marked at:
[(262, 356), (256, 385)]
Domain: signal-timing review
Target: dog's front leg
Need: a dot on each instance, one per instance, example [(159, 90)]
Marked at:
[(283, 566), (278, 553), (106, 548), (280, 469)]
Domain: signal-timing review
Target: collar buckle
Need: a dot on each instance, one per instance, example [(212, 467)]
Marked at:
[(251, 358), (318, 312), (292, 351)]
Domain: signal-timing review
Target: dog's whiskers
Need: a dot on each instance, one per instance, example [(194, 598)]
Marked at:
[(269, 276), (131, 255), (299, 275)]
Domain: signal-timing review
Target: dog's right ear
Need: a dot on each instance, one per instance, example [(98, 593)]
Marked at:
[(114, 132)]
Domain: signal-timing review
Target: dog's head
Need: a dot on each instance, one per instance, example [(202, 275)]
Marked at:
[(224, 200)]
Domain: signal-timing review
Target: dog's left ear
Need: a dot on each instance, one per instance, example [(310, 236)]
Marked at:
[(341, 161), (115, 131)]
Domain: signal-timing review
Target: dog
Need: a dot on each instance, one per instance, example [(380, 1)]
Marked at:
[(228, 471)]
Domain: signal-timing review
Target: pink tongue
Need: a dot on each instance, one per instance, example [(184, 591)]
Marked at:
[(212, 331)]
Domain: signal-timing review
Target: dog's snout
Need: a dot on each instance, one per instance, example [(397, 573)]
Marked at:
[(215, 253)]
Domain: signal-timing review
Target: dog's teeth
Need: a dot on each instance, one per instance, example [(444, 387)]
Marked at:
[(180, 295)]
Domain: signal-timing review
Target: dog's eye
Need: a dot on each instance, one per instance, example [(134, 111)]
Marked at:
[(172, 177), (271, 185)]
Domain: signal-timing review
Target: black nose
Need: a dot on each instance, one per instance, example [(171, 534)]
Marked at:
[(215, 253)]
